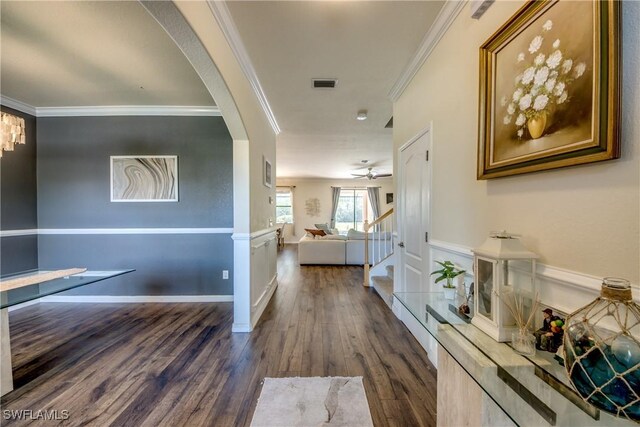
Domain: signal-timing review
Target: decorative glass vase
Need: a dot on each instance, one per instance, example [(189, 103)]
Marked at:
[(602, 350), (523, 342)]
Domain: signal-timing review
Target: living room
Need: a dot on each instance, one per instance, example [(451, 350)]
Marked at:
[(156, 345)]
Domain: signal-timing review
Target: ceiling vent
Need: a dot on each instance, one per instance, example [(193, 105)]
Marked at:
[(324, 83)]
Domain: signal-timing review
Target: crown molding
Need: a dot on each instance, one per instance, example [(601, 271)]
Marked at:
[(128, 110), (227, 25), (443, 21), (17, 105), (111, 110)]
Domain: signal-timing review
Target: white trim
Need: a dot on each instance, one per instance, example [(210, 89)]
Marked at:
[(451, 247), (228, 27), (128, 110), (255, 234), (445, 18), (107, 299), (17, 105), (13, 233), (241, 327), (581, 281), (23, 305), (112, 110), (47, 231)]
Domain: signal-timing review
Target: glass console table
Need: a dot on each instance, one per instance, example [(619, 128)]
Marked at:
[(530, 390), (38, 290), (17, 289)]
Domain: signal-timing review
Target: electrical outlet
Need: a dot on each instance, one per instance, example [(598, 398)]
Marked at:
[(225, 274)]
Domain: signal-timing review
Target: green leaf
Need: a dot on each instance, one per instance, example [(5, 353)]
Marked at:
[(441, 278)]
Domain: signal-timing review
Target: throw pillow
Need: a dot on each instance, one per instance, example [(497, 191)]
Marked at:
[(324, 227), (315, 232)]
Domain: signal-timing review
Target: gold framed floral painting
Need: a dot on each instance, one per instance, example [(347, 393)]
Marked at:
[(549, 94)]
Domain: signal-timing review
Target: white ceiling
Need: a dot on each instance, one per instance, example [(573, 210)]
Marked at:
[(365, 44), (88, 53), (101, 53)]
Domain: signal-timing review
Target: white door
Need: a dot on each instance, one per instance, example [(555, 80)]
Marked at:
[(413, 218)]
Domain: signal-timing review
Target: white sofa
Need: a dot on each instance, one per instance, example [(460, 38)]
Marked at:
[(341, 250)]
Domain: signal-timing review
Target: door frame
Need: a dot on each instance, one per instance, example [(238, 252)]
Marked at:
[(427, 192)]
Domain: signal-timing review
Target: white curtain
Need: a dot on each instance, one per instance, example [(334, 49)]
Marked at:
[(374, 199), (335, 198)]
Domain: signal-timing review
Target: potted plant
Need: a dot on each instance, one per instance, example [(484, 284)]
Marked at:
[(448, 272)]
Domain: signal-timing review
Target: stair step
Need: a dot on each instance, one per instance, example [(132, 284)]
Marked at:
[(384, 287), (389, 270)]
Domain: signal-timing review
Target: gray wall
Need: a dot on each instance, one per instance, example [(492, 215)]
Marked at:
[(18, 201), (74, 192)]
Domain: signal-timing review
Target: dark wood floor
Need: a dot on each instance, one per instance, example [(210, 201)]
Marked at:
[(180, 365)]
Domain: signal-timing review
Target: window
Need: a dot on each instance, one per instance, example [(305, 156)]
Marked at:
[(284, 206), (353, 209)]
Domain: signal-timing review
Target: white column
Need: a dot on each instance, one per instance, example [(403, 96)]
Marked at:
[(6, 375)]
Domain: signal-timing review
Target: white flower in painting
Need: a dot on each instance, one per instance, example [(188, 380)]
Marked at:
[(535, 44), (539, 59), (517, 95), (525, 102), (506, 120), (547, 25), (549, 85), (578, 71), (566, 66), (559, 88), (504, 100), (563, 97), (556, 44), (540, 102), (535, 90), (520, 57), (521, 119), (528, 75), (511, 108), (518, 78), (554, 59), (541, 76), (520, 133)]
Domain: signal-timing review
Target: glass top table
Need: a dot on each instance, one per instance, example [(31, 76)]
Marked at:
[(30, 292), (530, 390)]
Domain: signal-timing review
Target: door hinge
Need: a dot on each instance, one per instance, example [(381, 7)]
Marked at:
[(427, 156), (426, 236)]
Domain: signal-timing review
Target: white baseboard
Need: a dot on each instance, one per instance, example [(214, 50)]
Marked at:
[(241, 327), (126, 299)]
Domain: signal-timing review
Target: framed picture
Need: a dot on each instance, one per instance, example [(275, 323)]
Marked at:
[(389, 198), (549, 90), (144, 178), (267, 172)]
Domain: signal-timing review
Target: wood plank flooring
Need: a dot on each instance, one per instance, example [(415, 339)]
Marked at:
[(180, 365)]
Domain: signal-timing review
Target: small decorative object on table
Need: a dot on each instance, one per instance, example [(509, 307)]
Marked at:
[(448, 272), (549, 336), (494, 278), (602, 350), (522, 340)]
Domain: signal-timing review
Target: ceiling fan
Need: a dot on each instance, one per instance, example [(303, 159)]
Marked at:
[(371, 175)]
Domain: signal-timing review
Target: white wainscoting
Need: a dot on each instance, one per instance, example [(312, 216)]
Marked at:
[(559, 288), (255, 278)]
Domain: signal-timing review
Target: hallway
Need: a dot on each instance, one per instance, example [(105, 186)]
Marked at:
[(179, 364)]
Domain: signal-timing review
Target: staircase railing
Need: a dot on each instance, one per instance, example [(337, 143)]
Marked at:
[(381, 242)]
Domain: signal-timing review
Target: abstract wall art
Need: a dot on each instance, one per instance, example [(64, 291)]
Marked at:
[(144, 178)]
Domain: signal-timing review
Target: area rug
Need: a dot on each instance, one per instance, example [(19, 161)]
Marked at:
[(312, 402)]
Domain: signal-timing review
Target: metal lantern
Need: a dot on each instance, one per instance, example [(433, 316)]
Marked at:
[(494, 281), (602, 350)]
